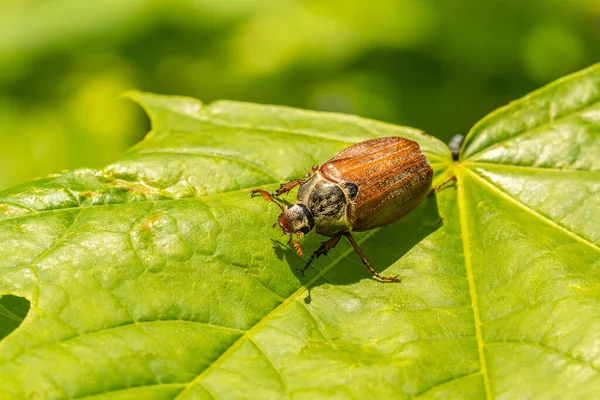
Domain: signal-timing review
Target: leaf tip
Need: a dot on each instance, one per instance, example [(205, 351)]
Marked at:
[(153, 104)]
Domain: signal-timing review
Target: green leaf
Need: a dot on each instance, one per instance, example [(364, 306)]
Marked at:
[(158, 277)]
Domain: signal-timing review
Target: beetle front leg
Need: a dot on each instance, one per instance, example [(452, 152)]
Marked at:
[(286, 187), (441, 186), (267, 196), (325, 247), (366, 262)]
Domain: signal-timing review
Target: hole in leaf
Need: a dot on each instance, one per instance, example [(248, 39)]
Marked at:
[(13, 310)]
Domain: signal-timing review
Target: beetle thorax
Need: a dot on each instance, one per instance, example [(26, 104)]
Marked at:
[(327, 203)]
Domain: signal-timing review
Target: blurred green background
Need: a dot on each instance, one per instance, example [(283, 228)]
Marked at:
[(438, 65)]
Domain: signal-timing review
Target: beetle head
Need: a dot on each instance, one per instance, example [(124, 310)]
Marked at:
[(296, 219)]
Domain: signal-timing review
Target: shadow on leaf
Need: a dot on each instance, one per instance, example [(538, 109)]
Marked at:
[(13, 310), (382, 247)]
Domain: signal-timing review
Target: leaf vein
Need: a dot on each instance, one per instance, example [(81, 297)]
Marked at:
[(87, 396), (59, 239), (536, 129), (319, 327), (544, 347), (123, 326), (212, 154), (202, 197), (270, 363), (484, 165), (445, 382), (461, 203), (531, 211), (263, 320)]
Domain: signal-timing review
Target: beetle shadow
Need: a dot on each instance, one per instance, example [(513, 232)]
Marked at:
[(384, 248), (281, 250)]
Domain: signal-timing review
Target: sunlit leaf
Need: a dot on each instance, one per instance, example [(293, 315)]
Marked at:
[(158, 277)]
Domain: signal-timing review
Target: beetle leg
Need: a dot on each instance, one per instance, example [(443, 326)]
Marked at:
[(325, 247), (364, 260), (313, 171), (286, 187), (267, 196), (441, 186), (297, 246)]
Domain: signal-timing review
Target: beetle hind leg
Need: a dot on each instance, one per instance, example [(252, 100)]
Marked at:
[(441, 186), (325, 247), (366, 262)]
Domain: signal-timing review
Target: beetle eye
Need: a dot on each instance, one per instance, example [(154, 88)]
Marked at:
[(305, 229)]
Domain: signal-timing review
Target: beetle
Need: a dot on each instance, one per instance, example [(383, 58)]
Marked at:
[(368, 185)]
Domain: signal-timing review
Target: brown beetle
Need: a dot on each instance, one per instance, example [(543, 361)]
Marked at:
[(368, 185)]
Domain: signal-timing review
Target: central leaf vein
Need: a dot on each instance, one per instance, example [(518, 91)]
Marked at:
[(462, 207)]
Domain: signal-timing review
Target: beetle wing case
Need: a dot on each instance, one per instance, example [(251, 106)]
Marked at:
[(392, 175)]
